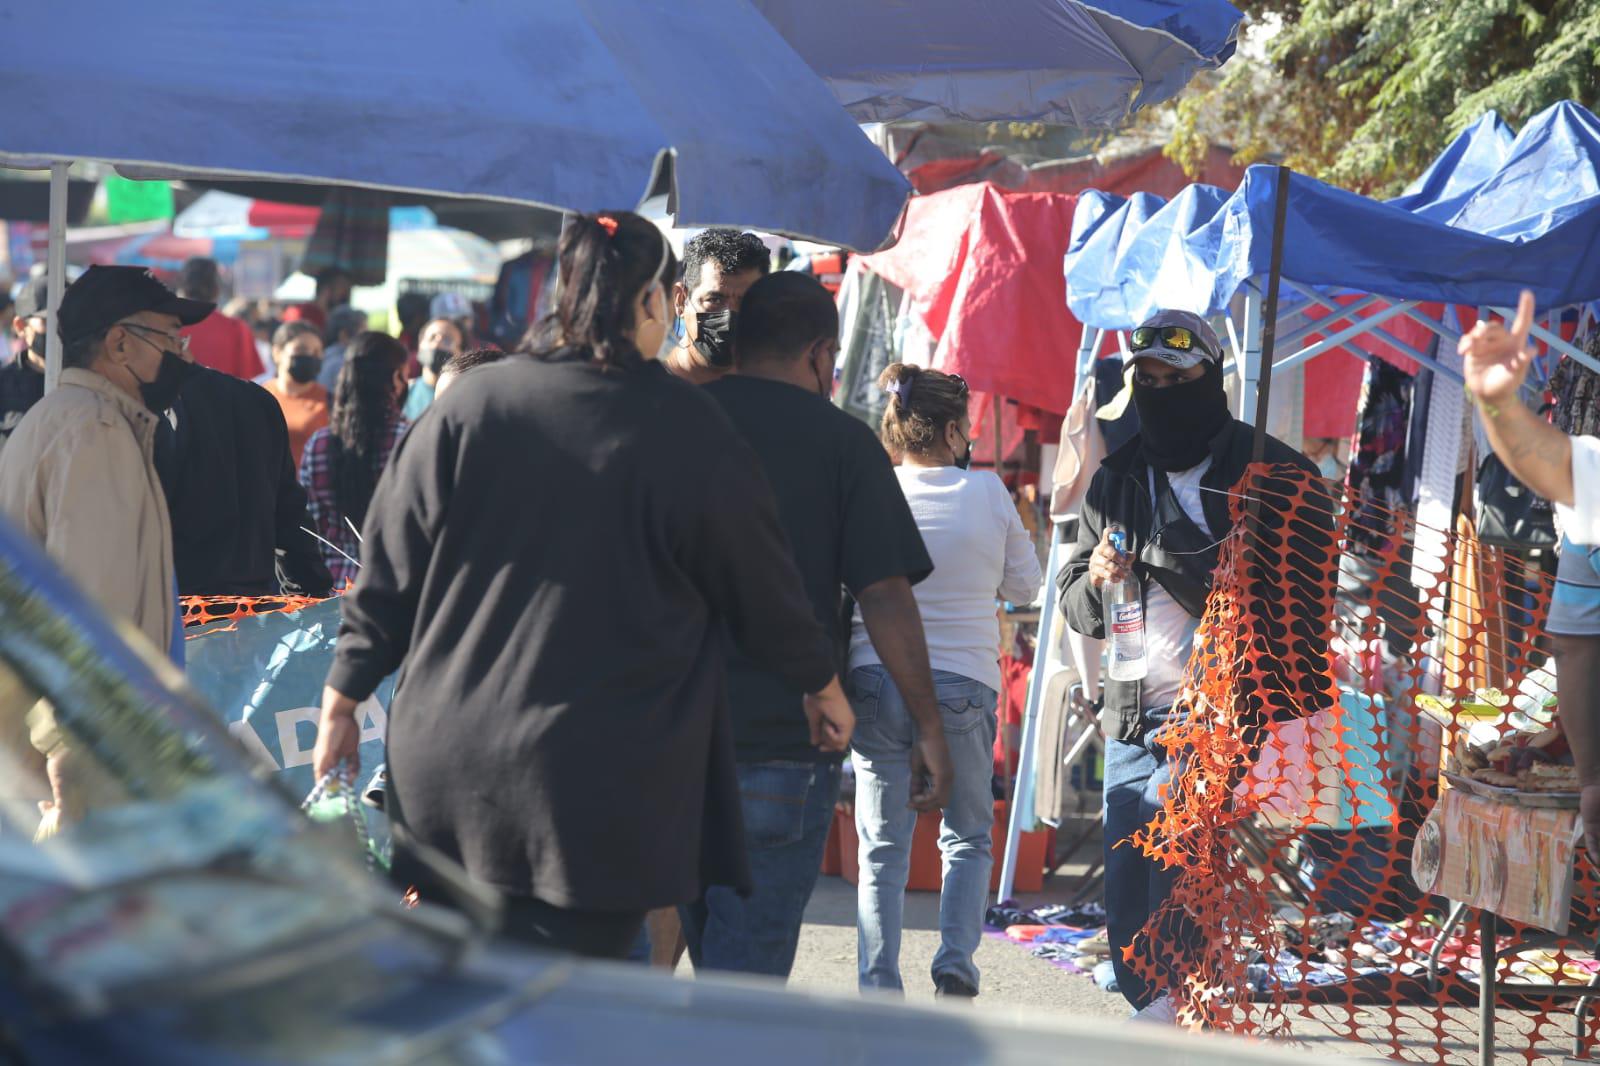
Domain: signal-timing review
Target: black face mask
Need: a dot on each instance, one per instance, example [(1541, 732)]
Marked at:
[(37, 345), (432, 359), (305, 368), (714, 337), (159, 395), (965, 459), (1178, 423)]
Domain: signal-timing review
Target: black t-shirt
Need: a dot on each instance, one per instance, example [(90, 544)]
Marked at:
[(847, 521), (21, 387)]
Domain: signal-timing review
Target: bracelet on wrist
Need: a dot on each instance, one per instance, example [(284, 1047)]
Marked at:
[(1490, 411)]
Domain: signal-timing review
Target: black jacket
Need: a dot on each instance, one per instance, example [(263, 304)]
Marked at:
[(1120, 493), (238, 511), (553, 551), (21, 387)]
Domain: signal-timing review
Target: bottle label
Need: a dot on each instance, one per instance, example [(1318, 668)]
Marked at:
[(1127, 618)]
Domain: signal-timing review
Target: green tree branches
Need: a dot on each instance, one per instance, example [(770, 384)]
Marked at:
[(1365, 93)]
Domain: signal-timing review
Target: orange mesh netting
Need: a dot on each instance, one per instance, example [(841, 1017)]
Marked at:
[(1307, 766), (206, 610)]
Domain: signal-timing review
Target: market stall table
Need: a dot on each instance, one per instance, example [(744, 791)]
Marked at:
[(1509, 854)]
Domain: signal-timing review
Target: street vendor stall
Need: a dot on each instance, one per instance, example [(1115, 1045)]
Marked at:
[(1510, 852), (1489, 219)]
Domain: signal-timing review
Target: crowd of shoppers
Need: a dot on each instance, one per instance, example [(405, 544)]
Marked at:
[(490, 542)]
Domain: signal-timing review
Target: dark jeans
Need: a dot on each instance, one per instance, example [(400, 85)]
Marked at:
[(788, 807), (1350, 869), (529, 921), (592, 934), (1136, 885)]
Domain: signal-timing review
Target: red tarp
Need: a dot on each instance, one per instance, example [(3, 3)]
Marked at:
[(982, 267)]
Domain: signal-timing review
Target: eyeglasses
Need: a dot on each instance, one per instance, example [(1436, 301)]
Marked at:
[(961, 383), (166, 338), (1177, 338)]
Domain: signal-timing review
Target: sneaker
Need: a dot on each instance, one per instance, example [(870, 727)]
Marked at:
[(949, 986), (1160, 1012)]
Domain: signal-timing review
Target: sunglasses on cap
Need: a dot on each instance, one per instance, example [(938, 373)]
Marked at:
[(1176, 338)]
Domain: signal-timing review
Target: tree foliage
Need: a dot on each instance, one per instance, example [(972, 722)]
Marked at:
[(1365, 93)]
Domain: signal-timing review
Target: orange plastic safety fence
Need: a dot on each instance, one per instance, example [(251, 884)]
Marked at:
[(205, 610), (1307, 765)]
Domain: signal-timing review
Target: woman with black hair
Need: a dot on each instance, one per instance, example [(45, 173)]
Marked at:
[(557, 552), (342, 462)]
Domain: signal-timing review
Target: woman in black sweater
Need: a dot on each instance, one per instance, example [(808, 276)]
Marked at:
[(554, 552)]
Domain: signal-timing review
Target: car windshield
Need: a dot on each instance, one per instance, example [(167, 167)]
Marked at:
[(137, 840)]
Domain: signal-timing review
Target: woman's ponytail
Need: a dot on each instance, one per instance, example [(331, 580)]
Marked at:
[(921, 403), (605, 261)]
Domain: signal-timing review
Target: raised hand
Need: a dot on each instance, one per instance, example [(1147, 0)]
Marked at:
[(1497, 359)]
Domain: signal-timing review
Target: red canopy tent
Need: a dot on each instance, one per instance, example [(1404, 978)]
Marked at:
[(981, 265)]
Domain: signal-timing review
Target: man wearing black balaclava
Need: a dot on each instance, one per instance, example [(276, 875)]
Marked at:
[(1168, 489), (719, 266)]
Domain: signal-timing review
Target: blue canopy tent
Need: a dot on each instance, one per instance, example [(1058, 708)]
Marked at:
[(1472, 235), (1086, 63), (1469, 161), (579, 105), (1492, 215)]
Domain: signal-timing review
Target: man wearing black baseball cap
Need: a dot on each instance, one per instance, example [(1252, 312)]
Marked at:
[(1168, 489), (78, 474), (22, 379)]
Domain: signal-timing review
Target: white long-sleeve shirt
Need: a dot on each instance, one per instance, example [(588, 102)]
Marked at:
[(980, 552), (1581, 521)]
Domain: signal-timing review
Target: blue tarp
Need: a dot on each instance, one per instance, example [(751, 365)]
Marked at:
[(263, 675), (1474, 230), (564, 103), (1087, 63)]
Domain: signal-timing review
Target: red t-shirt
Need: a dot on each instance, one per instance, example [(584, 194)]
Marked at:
[(225, 343)]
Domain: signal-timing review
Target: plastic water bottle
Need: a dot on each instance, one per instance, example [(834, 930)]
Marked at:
[(1124, 621)]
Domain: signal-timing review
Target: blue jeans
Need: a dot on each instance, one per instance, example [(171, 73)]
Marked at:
[(1136, 885), (788, 807), (881, 752)]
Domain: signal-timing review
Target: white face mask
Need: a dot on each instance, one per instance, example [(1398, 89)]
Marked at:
[(664, 349)]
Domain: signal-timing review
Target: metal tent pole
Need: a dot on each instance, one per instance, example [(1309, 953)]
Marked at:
[(56, 270), (1250, 367), (1021, 812), (1269, 323)]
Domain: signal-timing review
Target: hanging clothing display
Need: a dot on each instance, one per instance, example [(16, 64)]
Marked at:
[(1377, 476), (871, 337), (1575, 392), (352, 234), (523, 294)]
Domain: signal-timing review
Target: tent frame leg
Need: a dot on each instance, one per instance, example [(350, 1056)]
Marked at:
[(56, 269), (1250, 371), (1021, 812), (1021, 809)]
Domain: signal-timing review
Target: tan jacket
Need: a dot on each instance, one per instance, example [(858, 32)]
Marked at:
[(78, 475)]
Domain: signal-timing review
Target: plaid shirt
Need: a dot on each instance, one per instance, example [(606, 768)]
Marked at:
[(322, 505)]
